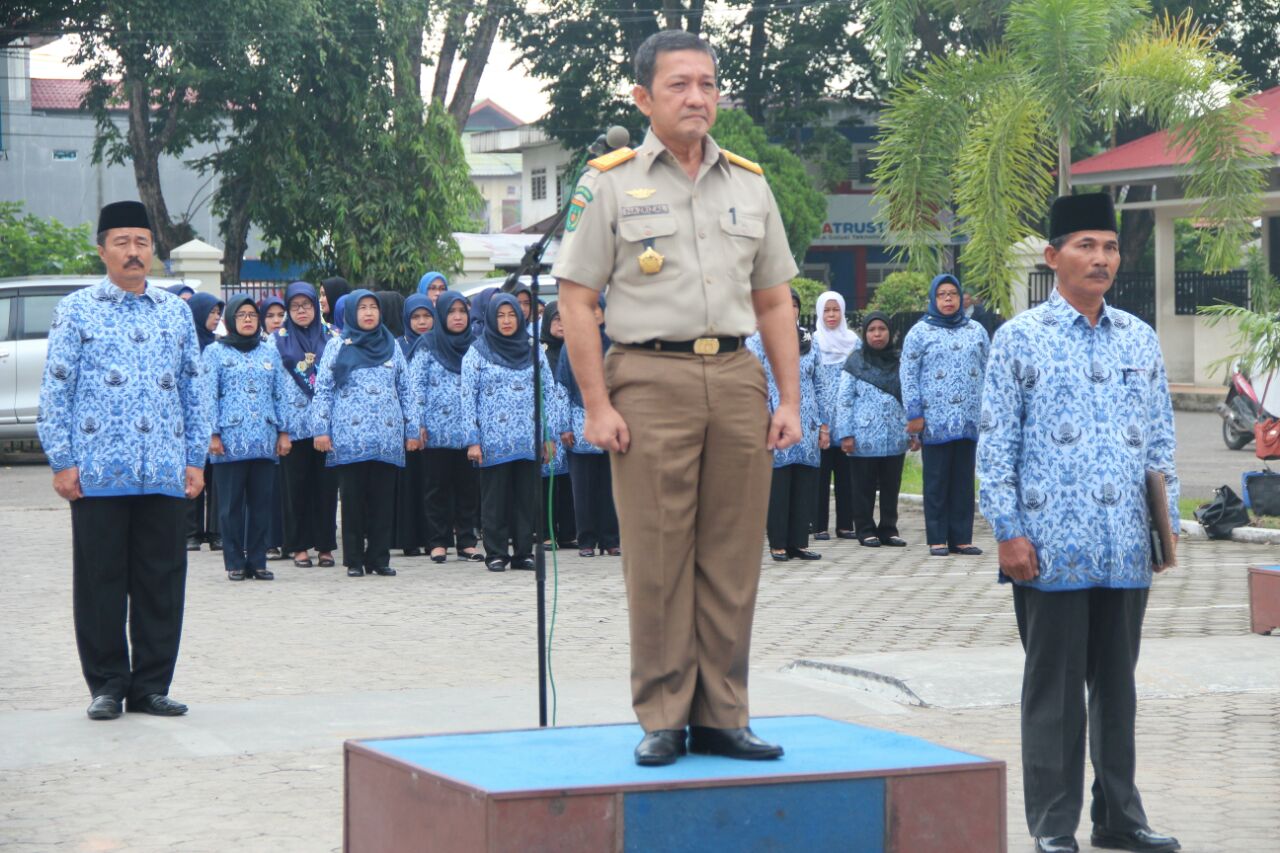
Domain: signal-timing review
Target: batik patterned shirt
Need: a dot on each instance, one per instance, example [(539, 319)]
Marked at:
[(1073, 416), (497, 407), (942, 379), (439, 392), (875, 421), (814, 406), (371, 416), (244, 395), (295, 405), (119, 399)]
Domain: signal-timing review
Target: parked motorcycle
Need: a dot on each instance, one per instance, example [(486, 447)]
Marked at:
[(1240, 411)]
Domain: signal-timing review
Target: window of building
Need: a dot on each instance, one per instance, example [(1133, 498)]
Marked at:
[(513, 191), (861, 166), (538, 184), (562, 186)]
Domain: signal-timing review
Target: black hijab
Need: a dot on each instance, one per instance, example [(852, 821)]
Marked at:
[(806, 338), (877, 367), (392, 306), (551, 342), (233, 338), (334, 289), (202, 304), (514, 350)]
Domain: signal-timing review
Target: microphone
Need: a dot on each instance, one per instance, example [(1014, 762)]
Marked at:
[(614, 138)]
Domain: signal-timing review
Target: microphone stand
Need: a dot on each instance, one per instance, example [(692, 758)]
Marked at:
[(529, 265)]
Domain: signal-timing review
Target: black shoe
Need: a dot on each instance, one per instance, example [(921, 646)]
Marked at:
[(260, 574), (731, 743), (355, 571), (586, 552), (870, 542), (803, 554), (613, 552), (104, 708), (938, 552), (967, 551), (274, 554), (413, 552), (1139, 839), (215, 544), (894, 542), (158, 705), (523, 563), (660, 747), (846, 534), (823, 536), (473, 557), (1061, 844), (193, 544), (779, 557), (235, 574), (497, 564), (441, 557), (384, 571)]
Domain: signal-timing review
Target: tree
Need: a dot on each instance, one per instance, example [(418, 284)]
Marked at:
[(983, 131), (30, 245), (45, 20), (901, 293), (467, 38), (802, 206)]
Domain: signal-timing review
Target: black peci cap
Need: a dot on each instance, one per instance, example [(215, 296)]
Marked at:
[(123, 214), (1088, 212)]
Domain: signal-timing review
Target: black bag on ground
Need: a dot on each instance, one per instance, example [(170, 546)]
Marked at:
[(1223, 514), (1261, 491)]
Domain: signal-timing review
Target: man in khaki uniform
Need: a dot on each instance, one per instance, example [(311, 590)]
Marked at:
[(688, 241)]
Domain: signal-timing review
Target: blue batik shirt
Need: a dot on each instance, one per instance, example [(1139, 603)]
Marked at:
[(556, 413), (814, 406), (875, 421), (439, 398), (119, 399), (941, 375), (295, 404), (1073, 415), (244, 395), (497, 407), (369, 418)]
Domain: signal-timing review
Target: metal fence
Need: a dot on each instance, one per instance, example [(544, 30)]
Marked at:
[(1194, 289), (259, 290), (1134, 292)]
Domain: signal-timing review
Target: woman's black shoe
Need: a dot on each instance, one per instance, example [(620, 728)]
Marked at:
[(260, 574), (870, 542), (325, 562), (274, 554), (823, 536), (413, 552), (355, 572), (473, 557), (497, 564), (846, 534), (613, 552), (215, 544), (523, 563), (235, 575), (302, 564), (803, 554), (439, 558), (780, 557), (894, 542), (586, 552), (967, 551), (384, 571), (938, 552), (193, 544)]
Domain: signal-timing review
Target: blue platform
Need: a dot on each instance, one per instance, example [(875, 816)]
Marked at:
[(840, 786)]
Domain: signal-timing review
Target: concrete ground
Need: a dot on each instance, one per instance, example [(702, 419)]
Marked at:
[(1204, 462), (279, 674)]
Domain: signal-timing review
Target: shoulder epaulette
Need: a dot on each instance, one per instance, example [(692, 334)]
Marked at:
[(743, 162), (613, 158)]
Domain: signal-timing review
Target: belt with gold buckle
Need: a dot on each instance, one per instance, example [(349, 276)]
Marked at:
[(697, 346)]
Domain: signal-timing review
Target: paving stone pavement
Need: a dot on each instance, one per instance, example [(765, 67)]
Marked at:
[(278, 674)]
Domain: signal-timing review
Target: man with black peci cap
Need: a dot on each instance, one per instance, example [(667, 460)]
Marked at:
[(126, 436), (1075, 413)]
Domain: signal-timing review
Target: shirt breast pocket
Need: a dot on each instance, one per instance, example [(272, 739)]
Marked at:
[(649, 232), (743, 235)]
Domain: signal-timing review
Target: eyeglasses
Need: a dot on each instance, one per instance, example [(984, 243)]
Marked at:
[(246, 315)]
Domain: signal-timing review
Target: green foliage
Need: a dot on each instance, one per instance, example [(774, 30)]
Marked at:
[(802, 206), (1264, 290), (974, 135), (901, 292), (1257, 337), (30, 245), (809, 290)]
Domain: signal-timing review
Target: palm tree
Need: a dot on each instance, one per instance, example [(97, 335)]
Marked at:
[(981, 133)]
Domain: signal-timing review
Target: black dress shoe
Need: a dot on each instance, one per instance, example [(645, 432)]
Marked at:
[(104, 708), (215, 544), (823, 536), (473, 557), (525, 564), (158, 705), (968, 551), (1139, 839), (846, 534), (803, 554), (355, 571), (660, 747), (193, 544), (1060, 844), (260, 574), (413, 552), (731, 743), (779, 557), (586, 552), (870, 542), (497, 564), (235, 574), (384, 571), (613, 552), (274, 554), (894, 542), (938, 552)]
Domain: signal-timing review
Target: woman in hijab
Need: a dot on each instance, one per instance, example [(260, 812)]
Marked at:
[(202, 510), (432, 284), (497, 407), (273, 314), (365, 421), (944, 358), (185, 291), (411, 533), (796, 468), (593, 509), (834, 341), (453, 484), (243, 379), (339, 314), (480, 309), (563, 530), (331, 290), (524, 295), (871, 428), (391, 304), (310, 491)]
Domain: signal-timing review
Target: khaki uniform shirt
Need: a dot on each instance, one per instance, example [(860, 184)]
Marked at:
[(720, 237)]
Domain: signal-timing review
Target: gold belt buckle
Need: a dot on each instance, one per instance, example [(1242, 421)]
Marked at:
[(706, 346)]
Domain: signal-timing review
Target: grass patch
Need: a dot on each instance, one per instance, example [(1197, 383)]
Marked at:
[(912, 475)]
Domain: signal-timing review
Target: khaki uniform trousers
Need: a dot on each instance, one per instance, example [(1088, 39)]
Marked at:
[(691, 493)]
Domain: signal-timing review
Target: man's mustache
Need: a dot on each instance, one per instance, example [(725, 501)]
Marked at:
[(133, 262)]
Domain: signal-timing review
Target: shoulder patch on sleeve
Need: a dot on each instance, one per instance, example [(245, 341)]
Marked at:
[(613, 158), (743, 162)]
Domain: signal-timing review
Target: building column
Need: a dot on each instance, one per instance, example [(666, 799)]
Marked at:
[(1176, 333)]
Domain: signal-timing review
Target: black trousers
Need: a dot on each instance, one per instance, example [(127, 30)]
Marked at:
[(508, 493), (368, 501), (834, 462), (275, 527), (1078, 641), (872, 474), (129, 564), (245, 491), (563, 523), (948, 491), (791, 496), (202, 510), (411, 528), (452, 503), (310, 500), (593, 509)]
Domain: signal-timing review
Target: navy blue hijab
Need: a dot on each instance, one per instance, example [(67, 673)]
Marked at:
[(295, 342), (179, 289), (514, 350), (934, 317), (361, 348), (480, 308), (201, 305), (448, 347), (410, 341)]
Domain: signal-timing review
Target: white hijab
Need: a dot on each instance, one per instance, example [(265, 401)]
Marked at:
[(834, 344)]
